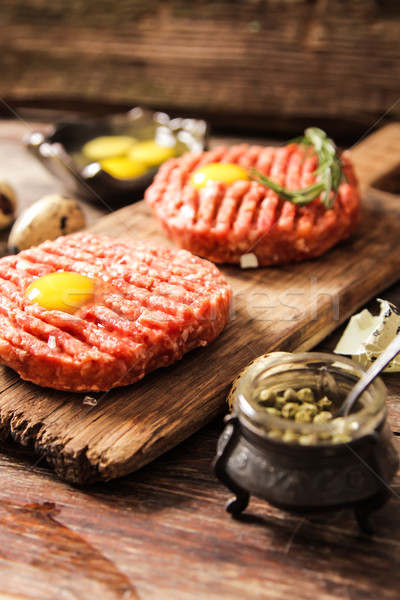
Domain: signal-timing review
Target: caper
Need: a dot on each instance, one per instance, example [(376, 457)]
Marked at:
[(274, 412), (280, 402), (290, 436), (308, 439), (305, 395), (323, 417), (306, 413), (266, 397), (290, 395), (341, 438), (324, 403), (289, 410)]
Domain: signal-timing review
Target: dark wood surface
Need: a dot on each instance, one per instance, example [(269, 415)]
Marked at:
[(162, 533)]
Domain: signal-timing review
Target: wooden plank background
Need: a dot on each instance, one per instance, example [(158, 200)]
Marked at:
[(257, 64)]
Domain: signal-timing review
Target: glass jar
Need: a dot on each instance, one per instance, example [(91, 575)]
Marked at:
[(296, 464)]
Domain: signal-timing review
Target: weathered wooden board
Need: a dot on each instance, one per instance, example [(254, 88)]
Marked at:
[(292, 307)]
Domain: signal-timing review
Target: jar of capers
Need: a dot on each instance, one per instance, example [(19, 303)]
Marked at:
[(296, 399), (284, 442)]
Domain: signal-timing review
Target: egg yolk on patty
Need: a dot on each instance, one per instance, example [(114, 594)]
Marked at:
[(225, 172), (61, 291)]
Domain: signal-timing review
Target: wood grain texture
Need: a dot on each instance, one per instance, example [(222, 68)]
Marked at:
[(294, 307), (163, 532), (29, 534), (238, 63)]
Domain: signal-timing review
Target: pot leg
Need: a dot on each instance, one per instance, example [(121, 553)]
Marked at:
[(364, 509), (239, 503), (228, 439)]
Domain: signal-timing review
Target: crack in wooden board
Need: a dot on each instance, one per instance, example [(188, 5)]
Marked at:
[(42, 554), (288, 308)]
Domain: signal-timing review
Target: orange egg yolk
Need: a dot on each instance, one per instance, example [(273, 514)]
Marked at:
[(225, 172), (150, 153), (61, 291)]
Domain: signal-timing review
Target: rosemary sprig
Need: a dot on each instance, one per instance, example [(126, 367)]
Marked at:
[(329, 172)]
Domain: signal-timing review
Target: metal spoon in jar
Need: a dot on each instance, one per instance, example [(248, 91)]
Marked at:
[(377, 367)]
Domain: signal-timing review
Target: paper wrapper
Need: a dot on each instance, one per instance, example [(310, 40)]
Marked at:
[(366, 336)]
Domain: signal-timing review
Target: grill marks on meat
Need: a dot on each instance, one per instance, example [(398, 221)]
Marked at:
[(222, 222), (151, 306)]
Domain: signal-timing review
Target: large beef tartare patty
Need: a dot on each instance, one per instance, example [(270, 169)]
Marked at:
[(150, 306), (223, 221)]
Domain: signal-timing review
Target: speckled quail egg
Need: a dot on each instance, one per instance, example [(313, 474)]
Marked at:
[(8, 204), (46, 219)]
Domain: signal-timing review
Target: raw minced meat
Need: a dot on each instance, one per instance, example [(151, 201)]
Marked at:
[(223, 222), (152, 304)]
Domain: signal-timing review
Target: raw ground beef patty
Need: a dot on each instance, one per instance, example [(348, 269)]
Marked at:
[(151, 305), (222, 222)]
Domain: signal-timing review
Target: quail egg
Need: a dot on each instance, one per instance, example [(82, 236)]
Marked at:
[(46, 219), (8, 204)]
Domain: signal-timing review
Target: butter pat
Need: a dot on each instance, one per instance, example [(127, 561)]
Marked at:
[(359, 328), (366, 336)]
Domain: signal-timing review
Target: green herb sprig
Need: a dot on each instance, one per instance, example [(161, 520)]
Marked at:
[(329, 172)]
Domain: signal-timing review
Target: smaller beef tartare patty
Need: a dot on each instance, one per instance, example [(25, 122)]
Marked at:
[(224, 220), (150, 305)]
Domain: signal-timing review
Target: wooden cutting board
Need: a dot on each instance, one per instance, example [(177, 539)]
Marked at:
[(102, 436)]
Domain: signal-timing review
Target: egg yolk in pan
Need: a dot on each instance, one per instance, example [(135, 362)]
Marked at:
[(225, 172), (123, 167), (108, 146), (61, 291), (150, 153)]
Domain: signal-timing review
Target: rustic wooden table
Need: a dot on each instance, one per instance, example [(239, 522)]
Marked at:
[(162, 533)]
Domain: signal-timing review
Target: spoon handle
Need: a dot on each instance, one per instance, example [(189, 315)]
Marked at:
[(390, 352)]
